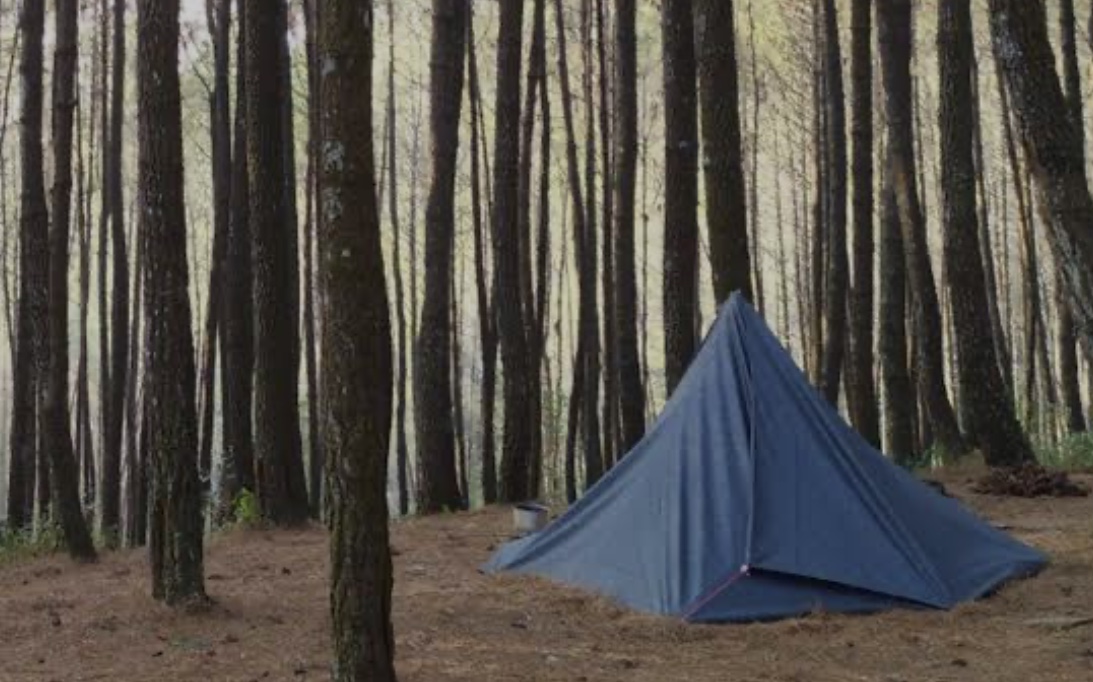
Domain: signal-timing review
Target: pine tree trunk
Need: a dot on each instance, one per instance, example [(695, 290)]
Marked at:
[(119, 346), (57, 435), (1065, 336), (85, 445), (357, 372), (680, 188), (485, 282), (861, 387), (610, 321), (175, 520), (316, 459), (517, 429), (835, 285), (631, 391), (277, 442), (898, 422), (894, 38), (438, 483), (33, 275), (990, 416), (238, 302)]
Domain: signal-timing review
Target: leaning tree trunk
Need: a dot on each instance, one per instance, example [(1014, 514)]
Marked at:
[(990, 415), (1022, 49), (357, 373), (282, 493), (680, 188), (438, 482), (894, 38), (176, 528)]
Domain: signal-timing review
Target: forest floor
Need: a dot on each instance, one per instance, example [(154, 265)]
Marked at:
[(66, 623)]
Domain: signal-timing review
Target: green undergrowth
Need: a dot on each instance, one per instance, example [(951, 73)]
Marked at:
[(21, 545), (1071, 453)]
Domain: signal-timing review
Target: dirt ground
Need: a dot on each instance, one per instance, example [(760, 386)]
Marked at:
[(61, 622)]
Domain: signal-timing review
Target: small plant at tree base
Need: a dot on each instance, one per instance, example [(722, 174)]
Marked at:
[(246, 509)]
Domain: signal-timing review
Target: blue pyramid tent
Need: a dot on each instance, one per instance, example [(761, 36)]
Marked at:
[(750, 499)]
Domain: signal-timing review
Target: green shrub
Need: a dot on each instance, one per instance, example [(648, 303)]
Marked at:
[(1072, 452), (246, 510)]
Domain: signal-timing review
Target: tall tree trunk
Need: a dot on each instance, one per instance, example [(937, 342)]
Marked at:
[(611, 416), (861, 387), (438, 482), (726, 206), (316, 459), (584, 250), (119, 346), (484, 281), (895, 380), (835, 286), (1065, 336), (238, 300), (894, 38), (56, 432), (631, 391), (219, 18), (1022, 49), (357, 373), (680, 188), (517, 430), (175, 519), (85, 446), (277, 442), (33, 274), (402, 451), (136, 507), (998, 336), (990, 414)]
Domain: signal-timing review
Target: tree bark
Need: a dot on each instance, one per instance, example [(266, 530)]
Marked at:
[(238, 301), (990, 416), (282, 494), (894, 37), (680, 188), (1065, 336), (861, 387), (631, 391), (438, 482), (56, 432), (176, 525), (357, 372), (34, 274), (895, 381), (517, 431)]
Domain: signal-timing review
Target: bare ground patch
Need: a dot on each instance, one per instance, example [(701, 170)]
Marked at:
[(63, 622)]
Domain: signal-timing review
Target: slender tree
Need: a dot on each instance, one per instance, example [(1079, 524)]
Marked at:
[(896, 389), (631, 391), (31, 334), (175, 518), (861, 388), (894, 38), (315, 447), (517, 431), (680, 188), (56, 433), (438, 483), (356, 363), (238, 455), (726, 207), (1065, 336), (990, 416), (282, 492)]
